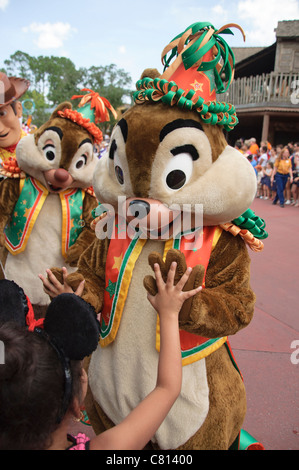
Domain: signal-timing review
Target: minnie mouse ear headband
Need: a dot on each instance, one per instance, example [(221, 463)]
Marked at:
[(203, 66), (15, 306), (73, 324), (70, 321), (70, 326)]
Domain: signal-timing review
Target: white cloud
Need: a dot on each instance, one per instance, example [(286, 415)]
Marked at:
[(50, 35), (219, 10), (122, 49), (263, 17), (3, 4)]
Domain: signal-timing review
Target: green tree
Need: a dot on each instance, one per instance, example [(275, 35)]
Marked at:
[(56, 79)]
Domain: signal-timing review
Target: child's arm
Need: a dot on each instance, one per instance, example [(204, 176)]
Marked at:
[(140, 425)]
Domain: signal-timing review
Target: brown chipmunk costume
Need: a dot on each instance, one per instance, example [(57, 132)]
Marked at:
[(168, 155), (46, 198)]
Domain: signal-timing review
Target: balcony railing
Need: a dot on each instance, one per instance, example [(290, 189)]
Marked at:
[(268, 88)]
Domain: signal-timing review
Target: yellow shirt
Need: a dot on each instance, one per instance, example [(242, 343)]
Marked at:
[(283, 166), (5, 154)]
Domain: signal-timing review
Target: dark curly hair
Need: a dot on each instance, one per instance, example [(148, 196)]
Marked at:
[(31, 389)]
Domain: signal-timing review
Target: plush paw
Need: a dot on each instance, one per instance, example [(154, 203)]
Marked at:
[(57, 272), (195, 279), (73, 280)]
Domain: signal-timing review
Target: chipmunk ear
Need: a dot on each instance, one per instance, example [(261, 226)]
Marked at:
[(61, 107), (13, 303), (72, 324), (151, 73)]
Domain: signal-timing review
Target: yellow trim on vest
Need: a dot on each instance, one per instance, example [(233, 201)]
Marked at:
[(36, 213), (204, 353), (65, 232), (33, 219), (123, 291), (217, 235)]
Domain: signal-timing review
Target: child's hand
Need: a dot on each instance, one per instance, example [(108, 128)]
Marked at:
[(53, 287), (170, 297)]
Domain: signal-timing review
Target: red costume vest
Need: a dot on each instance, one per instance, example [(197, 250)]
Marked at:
[(122, 255)]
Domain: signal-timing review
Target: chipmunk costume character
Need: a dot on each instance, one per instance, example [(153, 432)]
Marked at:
[(46, 199), (168, 157)]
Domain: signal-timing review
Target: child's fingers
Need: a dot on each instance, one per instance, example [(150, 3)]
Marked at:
[(191, 293), (47, 286), (64, 275), (158, 275), (171, 274), (80, 288), (46, 283), (53, 279), (184, 279)]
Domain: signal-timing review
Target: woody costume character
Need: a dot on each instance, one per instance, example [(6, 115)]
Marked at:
[(11, 89)]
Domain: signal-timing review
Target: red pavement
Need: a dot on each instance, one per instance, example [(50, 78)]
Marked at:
[(263, 349)]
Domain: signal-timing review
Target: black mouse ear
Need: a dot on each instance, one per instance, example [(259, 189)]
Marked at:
[(13, 303), (72, 323)]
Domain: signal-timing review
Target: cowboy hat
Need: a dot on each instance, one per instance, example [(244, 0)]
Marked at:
[(11, 88)]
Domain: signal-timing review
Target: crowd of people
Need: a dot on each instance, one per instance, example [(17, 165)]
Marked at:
[(276, 168)]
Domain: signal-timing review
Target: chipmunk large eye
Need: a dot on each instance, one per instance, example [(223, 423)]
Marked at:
[(49, 152), (176, 179), (178, 171), (81, 162), (119, 174)]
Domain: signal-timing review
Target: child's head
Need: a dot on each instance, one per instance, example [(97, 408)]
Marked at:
[(32, 389), (270, 165), (40, 379)]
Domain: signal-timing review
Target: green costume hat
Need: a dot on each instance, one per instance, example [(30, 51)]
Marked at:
[(203, 66), (92, 109)]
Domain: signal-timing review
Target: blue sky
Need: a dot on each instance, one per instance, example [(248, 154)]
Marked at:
[(130, 33)]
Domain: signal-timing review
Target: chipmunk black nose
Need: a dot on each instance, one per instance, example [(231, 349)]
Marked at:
[(139, 208)]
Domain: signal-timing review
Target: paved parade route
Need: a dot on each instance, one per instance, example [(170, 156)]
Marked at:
[(263, 350)]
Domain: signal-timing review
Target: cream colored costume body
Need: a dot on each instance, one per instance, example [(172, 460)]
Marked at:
[(43, 249), (135, 351)]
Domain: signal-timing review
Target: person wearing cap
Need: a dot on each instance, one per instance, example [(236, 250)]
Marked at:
[(11, 89)]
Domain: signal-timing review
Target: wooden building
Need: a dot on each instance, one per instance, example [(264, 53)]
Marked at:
[(265, 91)]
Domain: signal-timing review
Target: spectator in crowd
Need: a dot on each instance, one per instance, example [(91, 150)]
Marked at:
[(238, 145), (279, 148), (274, 164), (273, 155), (253, 162), (266, 179), (263, 157), (259, 171), (254, 148), (245, 149), (282, 171), (295, 185)]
